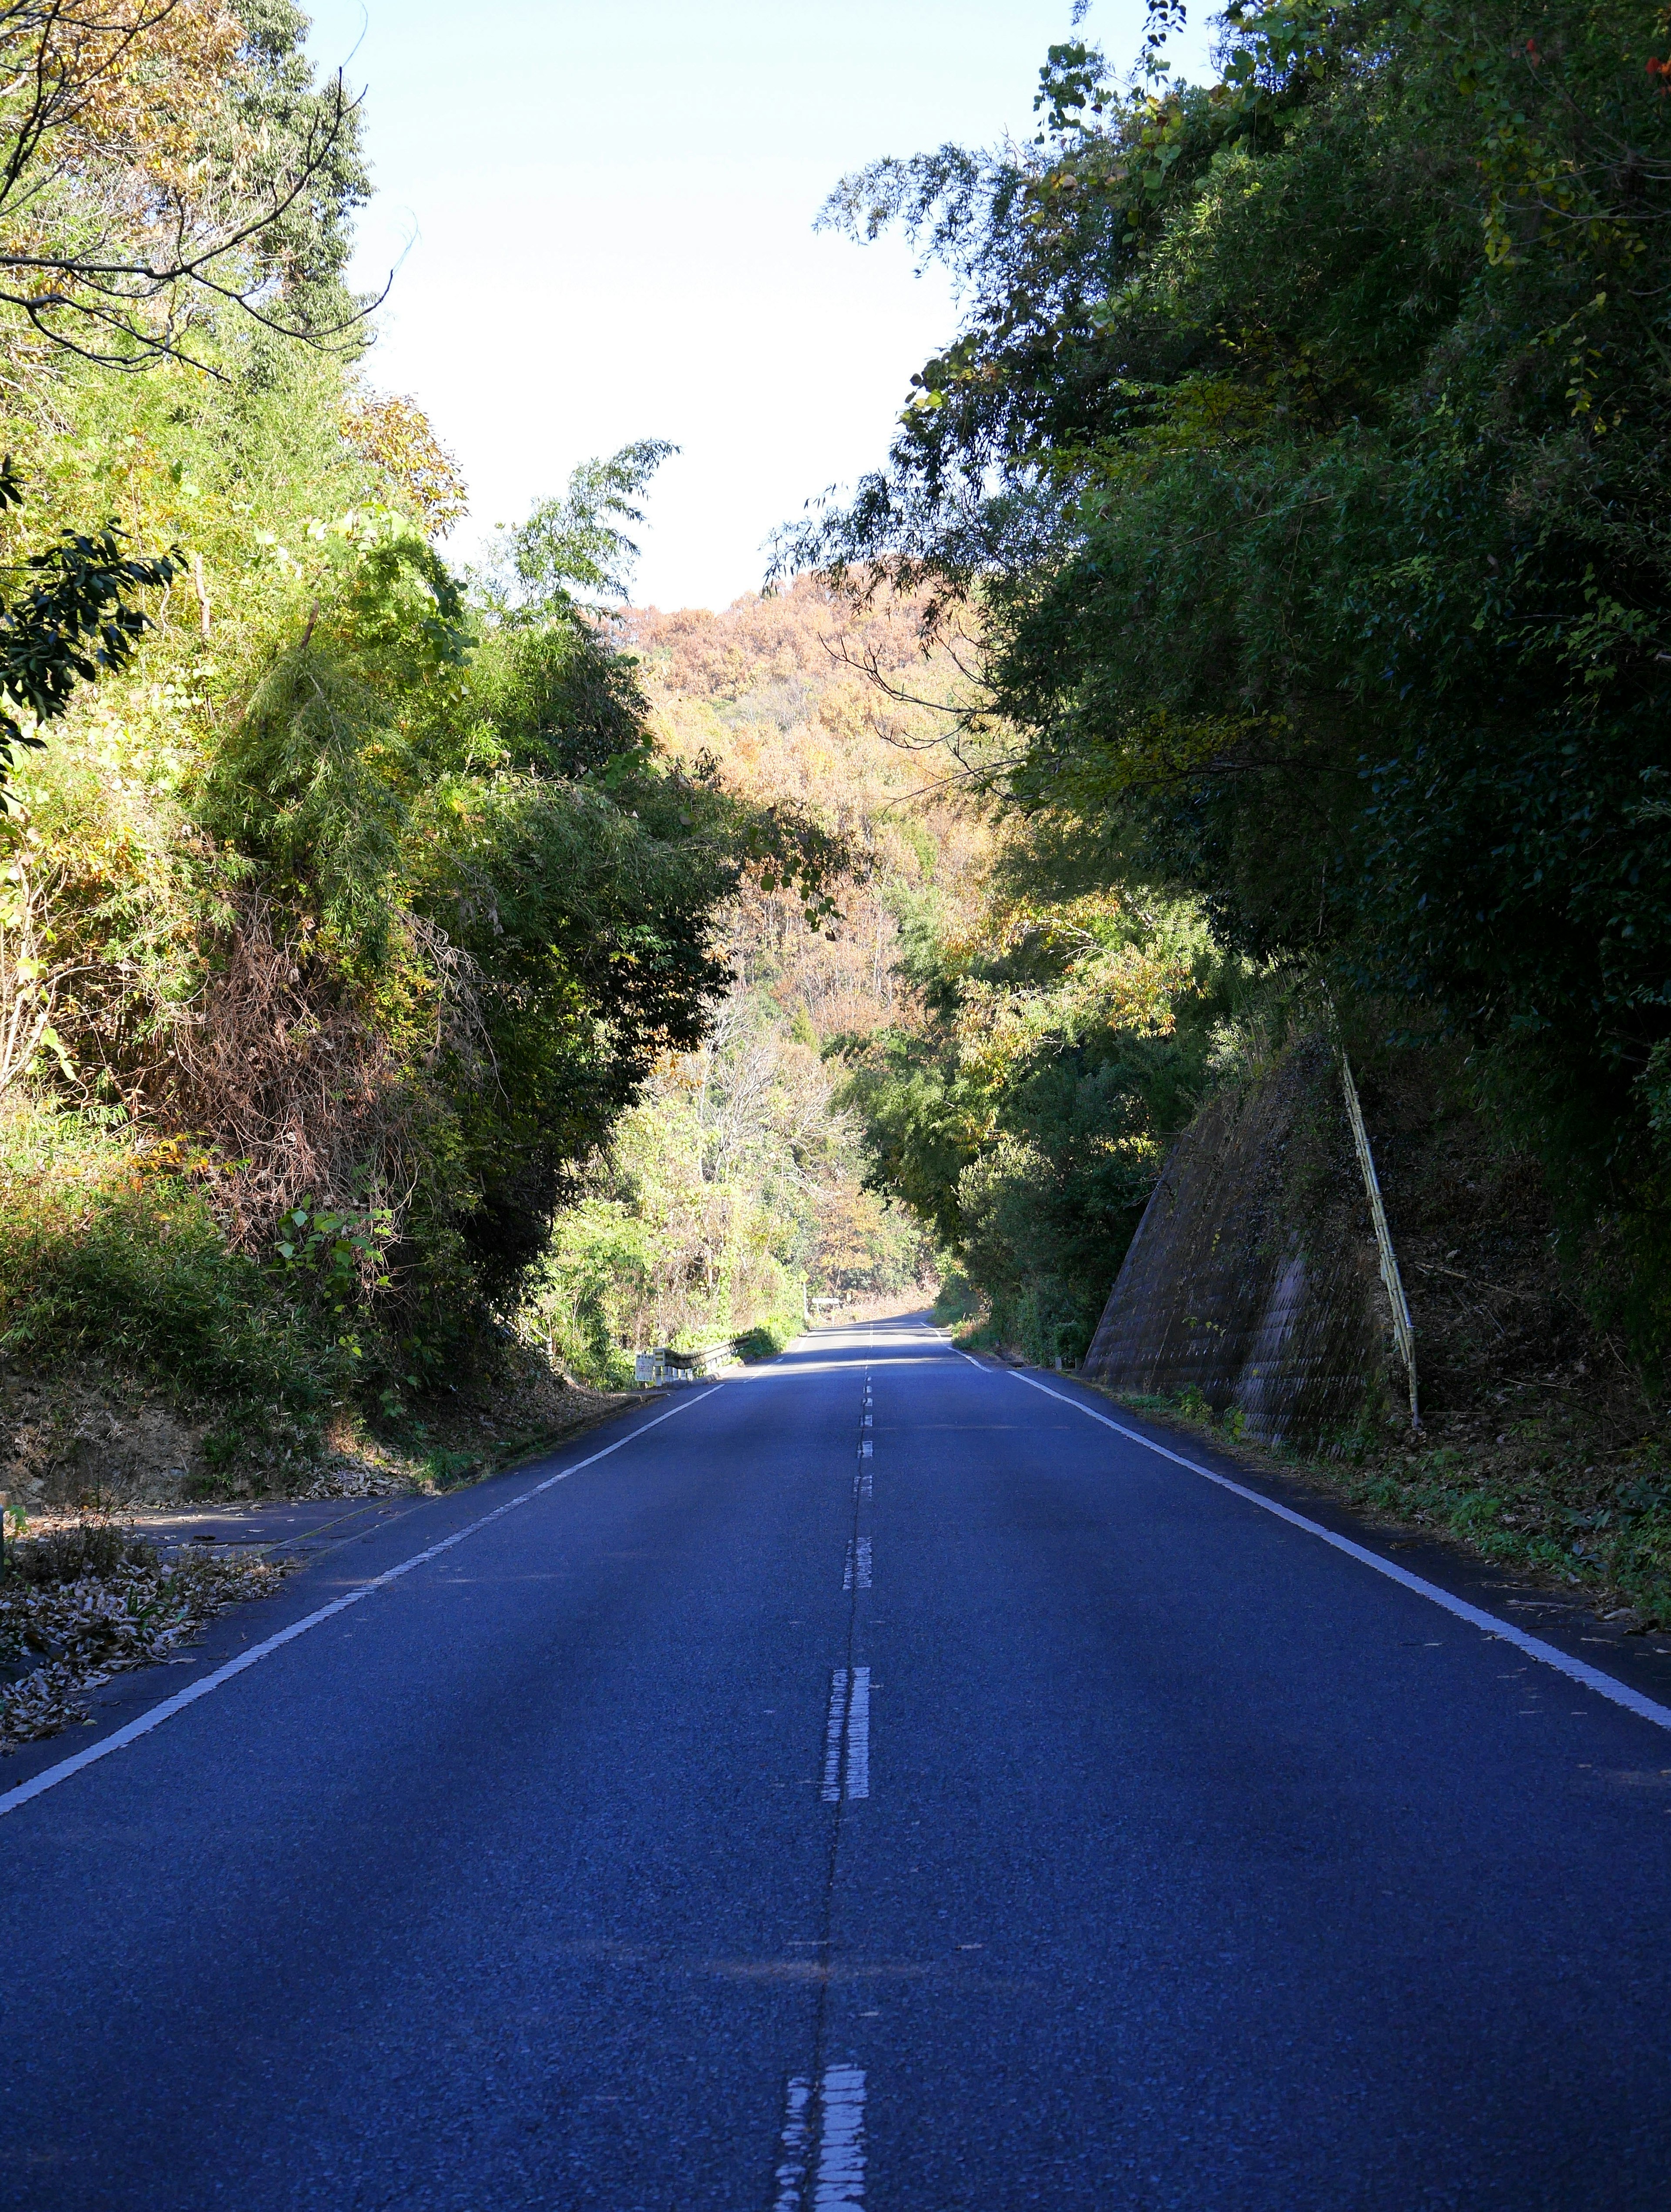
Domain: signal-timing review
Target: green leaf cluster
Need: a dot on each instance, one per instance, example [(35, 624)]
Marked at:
[(1304, 451), (1025, 1114), (379, 900)]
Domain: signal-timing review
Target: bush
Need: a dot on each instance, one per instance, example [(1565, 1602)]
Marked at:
[(103, 1260), (768, 1338), (957, 1299), (92, 1548)]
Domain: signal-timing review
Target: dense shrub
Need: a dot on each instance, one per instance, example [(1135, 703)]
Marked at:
[(105, 1259)]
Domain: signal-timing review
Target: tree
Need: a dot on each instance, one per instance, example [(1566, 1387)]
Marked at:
[(571, 552), (163, 161), (74, 623), (1303, 450)]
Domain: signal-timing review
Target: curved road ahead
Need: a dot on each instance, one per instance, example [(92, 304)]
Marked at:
[(875, 1781)]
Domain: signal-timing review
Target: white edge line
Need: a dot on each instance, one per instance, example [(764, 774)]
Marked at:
[(156, 1715), (1577, 1670)]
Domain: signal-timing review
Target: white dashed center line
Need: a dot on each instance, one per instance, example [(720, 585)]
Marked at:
[(841, 2176), (858, 1572), (828, 2128), (858, 1776), (865, 1448), (847, 1743), (790, 2176)]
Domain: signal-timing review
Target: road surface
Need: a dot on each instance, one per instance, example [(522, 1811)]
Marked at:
[(874, 1781)]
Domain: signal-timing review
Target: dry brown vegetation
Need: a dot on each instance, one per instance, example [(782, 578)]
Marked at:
[(778, 691), (88, 1600)]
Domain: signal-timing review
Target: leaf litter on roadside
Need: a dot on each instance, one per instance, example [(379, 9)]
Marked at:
[(82, 1603)]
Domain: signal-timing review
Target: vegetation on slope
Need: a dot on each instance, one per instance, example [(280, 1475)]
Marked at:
[(736, 1185), (1298, 466), (349, 906), (1302, 448), (1299, 449)]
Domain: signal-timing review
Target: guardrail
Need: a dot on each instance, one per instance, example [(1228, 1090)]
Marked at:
[(669, 1366)]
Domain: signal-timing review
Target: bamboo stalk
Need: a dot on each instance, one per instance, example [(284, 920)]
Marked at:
[(1403, 1333)]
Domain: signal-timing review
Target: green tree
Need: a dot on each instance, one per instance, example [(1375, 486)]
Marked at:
[(1303, 450)]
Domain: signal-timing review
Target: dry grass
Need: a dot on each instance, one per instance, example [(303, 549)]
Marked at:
[(94, 1441), (294, 1094)]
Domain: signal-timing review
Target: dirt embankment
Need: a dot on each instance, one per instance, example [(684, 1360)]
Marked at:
[(93, 1442)]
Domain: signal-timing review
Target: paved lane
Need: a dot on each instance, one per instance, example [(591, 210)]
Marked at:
[(745, 1824)]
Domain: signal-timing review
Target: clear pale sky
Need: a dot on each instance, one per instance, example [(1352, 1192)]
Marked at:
[(605, 210)]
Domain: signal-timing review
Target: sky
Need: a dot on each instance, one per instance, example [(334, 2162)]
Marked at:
[(599, 214)]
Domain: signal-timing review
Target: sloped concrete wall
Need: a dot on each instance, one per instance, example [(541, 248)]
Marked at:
[(1253, 1277)]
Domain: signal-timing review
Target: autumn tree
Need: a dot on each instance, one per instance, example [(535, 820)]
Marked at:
[(163, 161)]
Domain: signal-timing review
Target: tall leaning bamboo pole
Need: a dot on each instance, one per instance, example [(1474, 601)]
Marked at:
[(1403, 1333)]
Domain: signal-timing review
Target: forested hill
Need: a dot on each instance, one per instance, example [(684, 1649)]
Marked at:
[(1299, 461), (738, 1177), (409, 968)]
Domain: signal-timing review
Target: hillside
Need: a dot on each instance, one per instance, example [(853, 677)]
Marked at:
[(727, 1186), (737, 1179)]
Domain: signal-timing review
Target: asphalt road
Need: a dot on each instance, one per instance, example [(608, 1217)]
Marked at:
[(1007, 1817)]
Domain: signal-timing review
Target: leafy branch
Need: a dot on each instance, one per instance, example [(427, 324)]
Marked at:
[(72, 623)]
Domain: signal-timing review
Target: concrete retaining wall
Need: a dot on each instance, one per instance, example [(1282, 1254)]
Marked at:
[(1253, 1278)]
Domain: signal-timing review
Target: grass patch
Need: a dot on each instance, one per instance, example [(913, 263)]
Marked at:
[(105, 1257), (64, 1555), (1547, 1495), (768, 1338), (957, 1300), (449, 1470)]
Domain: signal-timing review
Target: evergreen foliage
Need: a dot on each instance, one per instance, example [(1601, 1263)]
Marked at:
[(1303, 448)]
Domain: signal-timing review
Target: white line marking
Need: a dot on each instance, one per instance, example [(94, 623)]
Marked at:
[(791, 2175), (847, 1730), (861, 1487), (1576, 1670), (157, 1714), (831, 1791), (865, 1448), (858, 1776), (841, 2176), (857, 1575), (866, 1422), (836, 2116)]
